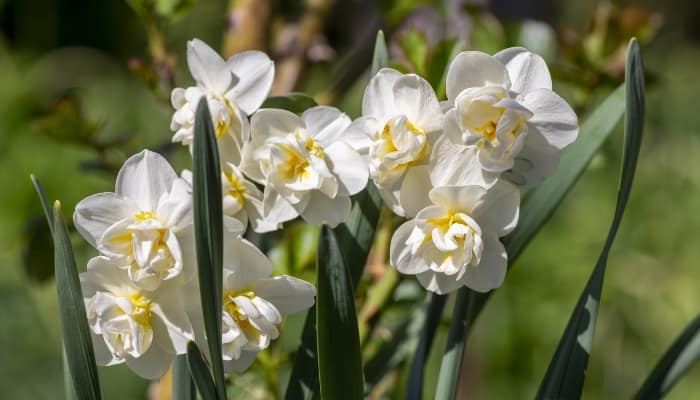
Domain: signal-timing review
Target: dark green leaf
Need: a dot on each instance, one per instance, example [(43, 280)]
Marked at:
[(338, 341), (677, 360), (183, 387), (208, 229), (415, 49), (294, 102), (381, 54), (200, 373), (567, 370), (45, 205), (77, 339), (439, 63), (303, 381), (37, 257)]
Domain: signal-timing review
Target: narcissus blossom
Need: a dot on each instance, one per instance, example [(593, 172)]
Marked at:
[(401, 119), (254, 303), (454, 241), (305, 165), (145, 226), (128, 324), (234, 89), (505, 107)]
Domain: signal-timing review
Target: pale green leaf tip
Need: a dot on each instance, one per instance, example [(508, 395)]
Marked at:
[(57, 205)]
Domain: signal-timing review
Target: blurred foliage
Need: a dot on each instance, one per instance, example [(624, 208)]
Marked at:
[(85, 84)]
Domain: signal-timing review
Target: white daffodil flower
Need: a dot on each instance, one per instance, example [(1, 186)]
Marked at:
[(242, 200), (254, 303), (401, 119), (454, 242), (146, 225), (505, 107), (305, 165), (234, 89), (128, 324)]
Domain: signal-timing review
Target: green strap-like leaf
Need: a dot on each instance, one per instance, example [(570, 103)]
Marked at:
[(294, 102), (208, 229), (540, 203), (183, 387), (355, 238), (567, 370), (677, 360), (433, 309), (338, 340), (200, 373), (77, 340)]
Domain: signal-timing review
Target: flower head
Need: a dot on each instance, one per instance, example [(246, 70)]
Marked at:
[(234, 89), (505, 107), (145, 225), (454, 241), (305, 166), (401, 118), (128, 324)]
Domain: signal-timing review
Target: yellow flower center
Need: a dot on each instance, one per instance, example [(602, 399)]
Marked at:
[(144, 216), (238, 189), (142, 310)]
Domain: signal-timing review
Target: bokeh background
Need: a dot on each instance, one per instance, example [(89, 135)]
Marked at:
[(84, 84)]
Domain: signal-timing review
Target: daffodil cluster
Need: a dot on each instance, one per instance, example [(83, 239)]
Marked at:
[(453, 169)]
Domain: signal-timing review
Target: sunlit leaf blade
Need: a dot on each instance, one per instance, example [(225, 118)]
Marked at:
[(355, 238), (433, 309), (200, 373), (567, 370), (208, 229), (294, 102), (338, 341), (381, 54), (183, 387), (677, 360), (77, 340), (45, 205), (540, 203)]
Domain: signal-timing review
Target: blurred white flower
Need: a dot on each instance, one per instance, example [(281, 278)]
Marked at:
[(305, 165), (401, 119), (128, 324), (146, 225), (505, 107), (234, 88), (454, 242)]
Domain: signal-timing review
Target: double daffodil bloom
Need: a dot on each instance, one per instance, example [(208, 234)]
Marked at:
[(128, 324), (305, 165), (454, 241), (234, 89), (146, 225), (401, 119), (504, 107)]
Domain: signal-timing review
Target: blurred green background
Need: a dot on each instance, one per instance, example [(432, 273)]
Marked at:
[(84, 84)]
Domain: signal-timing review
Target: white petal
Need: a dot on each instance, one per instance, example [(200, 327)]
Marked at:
[(552, 117), (207, 67), (246, 262), (438, 282), (378, 100), (390, 197), (400, 252), (527, 70), (474, 69), (491, 271), (454, 164), (255, 72), (144, 178), (499, 208), (536, 161), (358, 134), (349, 167), (276, 209), (290, 295), (325, 124), (268, 122), (458, 198), (414, 190), (241, 364), (94, 214), (152, 364), (323, 210), (415, 98)]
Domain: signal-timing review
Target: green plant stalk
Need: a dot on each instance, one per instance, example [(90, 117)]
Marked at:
[(377, 297)]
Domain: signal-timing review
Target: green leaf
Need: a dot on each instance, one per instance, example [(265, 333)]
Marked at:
[(294, 102), (37, 259), (77, 339), (433, 309), (567, 370), (355, 238), (338, 341), (183, 387), (540, 203), (439, 62), (45, 205), (415, 48), (208, 229), (677, 360), (381, 54), (200, 373)]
